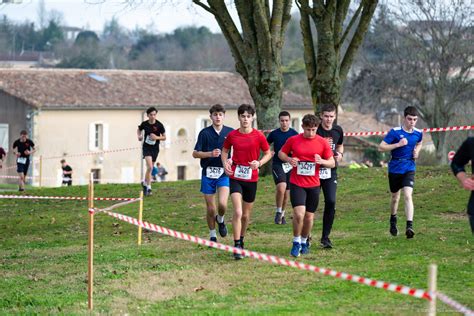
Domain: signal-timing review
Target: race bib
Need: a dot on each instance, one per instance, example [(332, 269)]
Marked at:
[(286, 167), (214, 172), (243, 172), (306, 168), (150, 141), (324, 173), (66, 179), (21, 160)]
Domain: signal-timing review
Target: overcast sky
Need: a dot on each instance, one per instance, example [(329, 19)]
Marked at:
[(92, 14)]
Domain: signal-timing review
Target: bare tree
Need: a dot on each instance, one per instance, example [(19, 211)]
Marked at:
[(256, 49), (339, 33)]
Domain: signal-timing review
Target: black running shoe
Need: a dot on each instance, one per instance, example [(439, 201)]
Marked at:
[(326, 243), (410, 233), (222, 228), (278, 218), (238, 256), (145, 189), (393, 229), (214, 239), (283, 220)]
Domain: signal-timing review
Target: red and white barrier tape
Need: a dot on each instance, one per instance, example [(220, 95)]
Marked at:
[(425, 130), (273, 259), (97, 210), (32, 197), (457, 306)]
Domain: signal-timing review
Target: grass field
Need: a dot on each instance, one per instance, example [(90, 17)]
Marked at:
[(44, 253)]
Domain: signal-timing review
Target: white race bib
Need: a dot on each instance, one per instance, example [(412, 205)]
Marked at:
[(243, 172), (21, 160), (66, 179), (214, 172), (324, 173), (286, 167), (306, 168), (150, 141)]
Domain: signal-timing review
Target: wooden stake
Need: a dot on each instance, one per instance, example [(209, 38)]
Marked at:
[(90, 271), (432, 276), (140, 213)]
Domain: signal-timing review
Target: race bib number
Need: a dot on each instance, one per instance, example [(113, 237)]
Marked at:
[(21, 160), (66, 179), (243, 172), (150, 141), (324, 173), (306, 168), (286, 167), (214, 172)]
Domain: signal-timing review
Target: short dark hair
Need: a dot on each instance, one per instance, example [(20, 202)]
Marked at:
[(284, 113), (217, 108), (327, 107), (311, 120), (23, 132), (246, 108), (410, 110), (151, 109), (63, 160)]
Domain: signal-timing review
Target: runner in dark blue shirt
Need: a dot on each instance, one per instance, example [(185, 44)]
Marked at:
[(404, 142), (465, 154), (22, 149), (280, 170), (213, 178)]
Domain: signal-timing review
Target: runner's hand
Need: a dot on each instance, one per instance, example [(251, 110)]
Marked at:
[(254, 164), (415, 154), (228, 167), (468, 184), (293, 161), (318, 159), (402, 142), (140, 138), (216, 152)]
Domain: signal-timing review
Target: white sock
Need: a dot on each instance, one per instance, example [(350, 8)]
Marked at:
[(148, 187), (297, 239), (282, 213), (303, 240), (212, 232), (278, 209), (220, 219)]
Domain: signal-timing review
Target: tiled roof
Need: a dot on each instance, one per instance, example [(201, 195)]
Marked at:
[(77, 88)]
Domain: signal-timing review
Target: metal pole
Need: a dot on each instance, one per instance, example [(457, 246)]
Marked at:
[(90, 270)]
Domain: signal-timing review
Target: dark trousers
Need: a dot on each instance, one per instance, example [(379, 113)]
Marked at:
[(329, 187)]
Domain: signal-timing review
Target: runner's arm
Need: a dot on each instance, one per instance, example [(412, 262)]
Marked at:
[(389, 147), (416, 151)]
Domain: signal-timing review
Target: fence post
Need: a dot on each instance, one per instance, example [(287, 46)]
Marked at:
[(140, 213), (90, 285), (432, 276)]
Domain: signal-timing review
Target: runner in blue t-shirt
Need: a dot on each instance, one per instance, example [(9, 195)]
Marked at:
[(404, 142), (280, 170), (213, 178)]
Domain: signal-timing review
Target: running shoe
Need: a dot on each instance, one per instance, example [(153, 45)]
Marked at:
[(410, 233), (304, 248), (283, 220), (148, 192), (214, 239), (222, 228), (296, 249), (145, 189), (278, 218), (393, 228), (326, 243), (238, 256)]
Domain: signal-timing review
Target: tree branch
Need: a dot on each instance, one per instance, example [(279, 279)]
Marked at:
[(339, 42)]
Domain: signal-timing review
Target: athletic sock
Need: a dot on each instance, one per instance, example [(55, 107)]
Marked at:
[(212, 232), (303, 240), (278, 209), (409, 224), (241, 240), (393, 218), (220, 219), (282, 213), (148, 187), (237, 243), (297, 239)]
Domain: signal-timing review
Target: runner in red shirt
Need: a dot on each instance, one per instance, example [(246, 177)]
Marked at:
[(308, 153), (246, 144)]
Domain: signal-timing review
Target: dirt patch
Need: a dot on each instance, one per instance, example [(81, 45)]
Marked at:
[(461, 215)]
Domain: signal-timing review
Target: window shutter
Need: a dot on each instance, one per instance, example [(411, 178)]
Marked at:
[(105, 135), (92, 137)]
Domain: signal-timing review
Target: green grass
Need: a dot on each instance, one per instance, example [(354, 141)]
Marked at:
[(43, 253)]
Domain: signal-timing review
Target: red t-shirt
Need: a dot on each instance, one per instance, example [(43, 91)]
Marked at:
[(304, 149), (246, 148)]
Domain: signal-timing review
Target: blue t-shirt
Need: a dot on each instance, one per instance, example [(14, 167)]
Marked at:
[(402, 157), (278, 138), (208, 140)]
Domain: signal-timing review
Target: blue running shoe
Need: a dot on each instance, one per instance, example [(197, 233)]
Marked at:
[(296, 249), (214, 239), (304, 248)]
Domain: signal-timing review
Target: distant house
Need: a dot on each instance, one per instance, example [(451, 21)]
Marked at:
[(77, 114)]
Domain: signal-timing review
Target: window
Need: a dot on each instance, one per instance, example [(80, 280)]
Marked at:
[(4, 136), (181, 172), (205, 123), (295, 124), (96, 175), (98, 136)]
